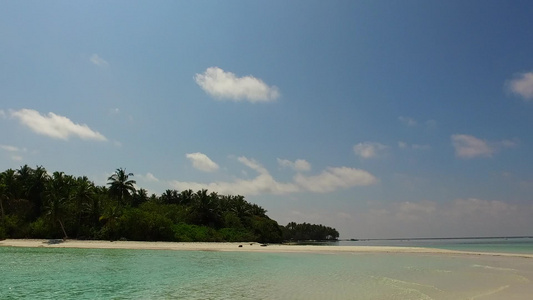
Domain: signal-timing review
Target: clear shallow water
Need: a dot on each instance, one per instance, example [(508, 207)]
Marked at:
[(45, 273), (503, 245)]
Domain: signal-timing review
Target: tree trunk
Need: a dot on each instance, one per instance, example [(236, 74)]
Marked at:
[(63, 228)]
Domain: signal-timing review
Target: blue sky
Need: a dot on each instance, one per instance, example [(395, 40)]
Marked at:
[(382, 119)]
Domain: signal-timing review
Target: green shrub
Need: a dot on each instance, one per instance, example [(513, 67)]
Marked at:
[(139, 225), (236, 235), (267, 230), (194, 233), (41, 229), (231, 220), (16, 228)]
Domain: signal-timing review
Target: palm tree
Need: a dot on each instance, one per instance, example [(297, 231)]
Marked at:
[(110, 218), (170, 197), (10, 179), (35, 188), (83, 198), (186, 197), (120, 186), (139, 197), (58, 196), (241, 207), (24, 174), (205, 208), (258, 211), (99, 201), (31, 183), (12, 194)]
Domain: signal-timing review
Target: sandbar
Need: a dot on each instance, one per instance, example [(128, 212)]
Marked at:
[(243, 247)]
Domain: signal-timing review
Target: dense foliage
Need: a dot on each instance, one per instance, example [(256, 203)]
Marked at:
[(307, 232), (36, 204)]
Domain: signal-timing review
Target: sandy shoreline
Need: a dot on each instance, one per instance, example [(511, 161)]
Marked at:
[(246, 247)]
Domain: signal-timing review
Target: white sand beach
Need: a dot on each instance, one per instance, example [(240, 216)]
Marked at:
[(244, 246)]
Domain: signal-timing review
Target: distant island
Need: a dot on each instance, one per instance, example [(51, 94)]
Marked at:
[(36, 204)]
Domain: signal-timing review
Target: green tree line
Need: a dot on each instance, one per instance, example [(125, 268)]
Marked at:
[(307, 232), (36, 204)]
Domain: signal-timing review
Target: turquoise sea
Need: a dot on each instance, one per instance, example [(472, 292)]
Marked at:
[(503, 244), (58, 273)]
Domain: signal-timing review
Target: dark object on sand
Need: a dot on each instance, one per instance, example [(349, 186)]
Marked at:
[(263, 245), (240, 246)]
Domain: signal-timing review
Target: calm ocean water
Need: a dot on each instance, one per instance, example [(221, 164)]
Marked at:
[(504, 245), (46, 273)]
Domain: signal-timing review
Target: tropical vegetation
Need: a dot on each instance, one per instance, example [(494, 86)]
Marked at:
[(37, 204), (308, 232)]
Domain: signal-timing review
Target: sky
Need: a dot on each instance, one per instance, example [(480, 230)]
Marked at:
[(383, 119)]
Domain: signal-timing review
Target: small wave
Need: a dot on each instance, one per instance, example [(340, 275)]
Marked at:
[(407, 285), (492, 292), (495, 268), (441, 271)]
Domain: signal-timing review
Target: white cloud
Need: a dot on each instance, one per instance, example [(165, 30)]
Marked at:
[(149, 177), (299, 165), (329, 180), (263, 183), (15, 151), (201, 162), (407, 121), (467, 146), (55, 126), (522, 85), (252, 164), (332, 179), (2, 114), (97, 60), (369, 149), (9, 148), (225, 85)]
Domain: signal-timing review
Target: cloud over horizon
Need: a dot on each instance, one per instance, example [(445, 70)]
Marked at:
[(226, 85), (332, 179), (55, 126), (460, 217), (328, 180)]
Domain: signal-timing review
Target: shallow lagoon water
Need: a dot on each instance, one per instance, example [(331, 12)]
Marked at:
[(502, 245), (53, 273)]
